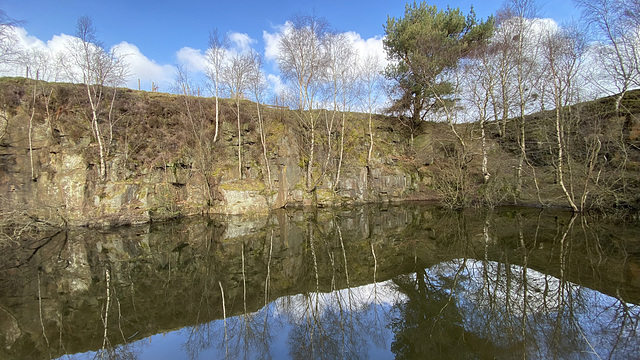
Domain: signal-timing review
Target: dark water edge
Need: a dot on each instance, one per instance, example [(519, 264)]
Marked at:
[(376, 281)]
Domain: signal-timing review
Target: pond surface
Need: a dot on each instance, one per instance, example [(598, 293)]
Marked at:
[(372, 282)]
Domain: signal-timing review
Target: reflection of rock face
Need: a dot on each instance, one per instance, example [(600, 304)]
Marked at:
[(168, 275), (9, 328), (77, 275), (238, 227)]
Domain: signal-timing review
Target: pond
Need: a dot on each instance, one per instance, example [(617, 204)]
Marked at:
[(372, 282)]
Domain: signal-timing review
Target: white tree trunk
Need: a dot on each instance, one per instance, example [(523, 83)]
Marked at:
[(239, 139), (263, 140), (215, 135)]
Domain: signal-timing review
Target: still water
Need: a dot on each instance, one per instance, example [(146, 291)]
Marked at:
[(373, 282)]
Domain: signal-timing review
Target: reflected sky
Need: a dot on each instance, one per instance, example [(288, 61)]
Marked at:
[(515, 311), (348, 323)]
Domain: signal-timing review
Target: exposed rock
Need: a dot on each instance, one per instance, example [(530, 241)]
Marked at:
[(66, 187), (245, 202)]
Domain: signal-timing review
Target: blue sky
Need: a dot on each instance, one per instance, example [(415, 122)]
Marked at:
[(160, 29)]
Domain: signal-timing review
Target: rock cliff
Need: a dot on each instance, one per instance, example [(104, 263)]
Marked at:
[(49, 165)]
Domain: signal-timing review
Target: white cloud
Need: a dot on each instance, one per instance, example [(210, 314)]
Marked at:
[(539, 25), (148, 70), (45, 58), (275, 84), (192, 59), (271, 41), (365, 47), (195, 60), (371, 47), (27, 41), (270, 45), (242, 42), (145, 69)]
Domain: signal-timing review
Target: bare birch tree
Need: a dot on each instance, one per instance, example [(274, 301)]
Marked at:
[(501, 65), (616, 26), (302, 60), (371, 80), (257, 84), (197, 128), (97, 69), (482, 84), (10, 52), (41, 65), (215, 56), (236, 76), (563, 52), (341, 76), (526, 56)]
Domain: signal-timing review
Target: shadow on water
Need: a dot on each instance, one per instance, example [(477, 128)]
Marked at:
[(369, 282)]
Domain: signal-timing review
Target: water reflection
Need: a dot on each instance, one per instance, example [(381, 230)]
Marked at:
[(469, 308), (395, 282)]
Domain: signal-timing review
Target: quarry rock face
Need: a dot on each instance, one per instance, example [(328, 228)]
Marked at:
[(66, 187)]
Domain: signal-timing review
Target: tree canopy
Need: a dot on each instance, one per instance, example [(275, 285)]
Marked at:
[(423, 47)]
